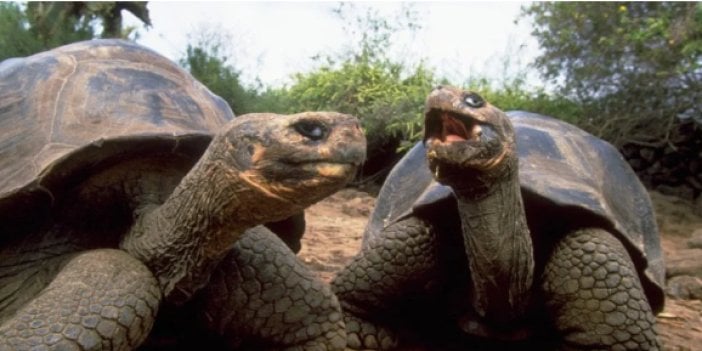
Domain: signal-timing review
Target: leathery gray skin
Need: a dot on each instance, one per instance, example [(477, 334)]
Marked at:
[(478, 282)]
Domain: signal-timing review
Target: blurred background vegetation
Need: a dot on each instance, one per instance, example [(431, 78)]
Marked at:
[(628, 72)]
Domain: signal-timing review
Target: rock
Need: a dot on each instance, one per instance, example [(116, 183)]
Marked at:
[(692, 181), (697, 209), (648, 154), (682, 191), (654, 168), (637, 164), (695, 242), (670, 158), (630, 150), (685, 262), (684, 287), (674, 167), (647, 180)]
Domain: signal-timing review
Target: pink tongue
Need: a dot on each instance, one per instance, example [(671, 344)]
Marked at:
[(453, 129)]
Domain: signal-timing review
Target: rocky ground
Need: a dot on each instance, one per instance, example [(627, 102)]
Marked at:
[(335, 227)]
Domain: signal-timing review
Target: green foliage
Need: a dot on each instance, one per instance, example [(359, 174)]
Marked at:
[(269, 100), (386, 96), (52, 20), (388, 103), (16, 39), (634, 66), (389, 96), (26, 31), (39, 26), (109, 13), (513, 94), (208, 57), (212, 70)]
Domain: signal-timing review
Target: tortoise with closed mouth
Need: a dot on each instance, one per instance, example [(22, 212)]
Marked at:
[(125, 186)]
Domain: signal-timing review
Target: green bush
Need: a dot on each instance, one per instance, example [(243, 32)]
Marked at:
[(211, 69), (387, 96), (514, 95), (635, 66), (36, 26), (388, 103)]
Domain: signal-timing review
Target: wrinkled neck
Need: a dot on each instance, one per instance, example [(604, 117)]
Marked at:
[(183, 239), (499, 250)]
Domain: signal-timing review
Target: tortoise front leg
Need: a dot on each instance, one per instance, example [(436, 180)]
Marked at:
[(594, 296), (263, 298), (100, 300), (400, 261)]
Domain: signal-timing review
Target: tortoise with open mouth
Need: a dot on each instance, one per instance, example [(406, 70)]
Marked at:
[(506, 230)]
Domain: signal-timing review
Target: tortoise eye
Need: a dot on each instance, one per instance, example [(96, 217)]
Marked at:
[(474, 100), (313, 130)]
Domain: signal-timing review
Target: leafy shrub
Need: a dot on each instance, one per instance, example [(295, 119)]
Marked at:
[(388, 103)]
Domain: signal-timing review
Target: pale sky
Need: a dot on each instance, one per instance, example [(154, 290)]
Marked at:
[(272, 40)]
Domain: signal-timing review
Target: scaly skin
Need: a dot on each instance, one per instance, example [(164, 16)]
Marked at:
[(372, 281), (594, 296), (273, 300), (100, 300)]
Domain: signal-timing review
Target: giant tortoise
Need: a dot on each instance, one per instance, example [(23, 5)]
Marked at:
[(506, 230), (125, 185)]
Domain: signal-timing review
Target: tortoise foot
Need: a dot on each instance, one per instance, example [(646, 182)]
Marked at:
[(262, 297), (594, 295), (100, 300), (363, 335)]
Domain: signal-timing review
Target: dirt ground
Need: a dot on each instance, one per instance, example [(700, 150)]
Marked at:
[(335, 227)]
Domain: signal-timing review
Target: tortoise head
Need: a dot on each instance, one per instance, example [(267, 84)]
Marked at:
[(298, 158), (259, 168), (470, 143), (471, 148)]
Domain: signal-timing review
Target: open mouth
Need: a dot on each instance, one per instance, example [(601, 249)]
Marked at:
[(451, 127)]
